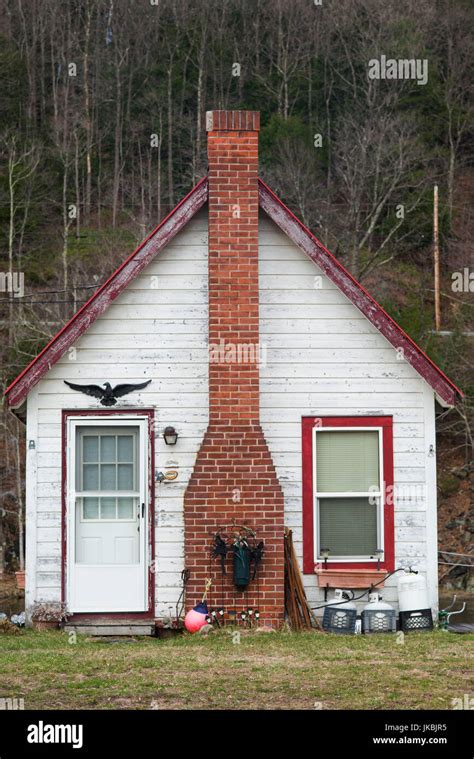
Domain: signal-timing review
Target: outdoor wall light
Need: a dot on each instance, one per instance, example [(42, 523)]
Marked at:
[(170, 435), (325, 552)]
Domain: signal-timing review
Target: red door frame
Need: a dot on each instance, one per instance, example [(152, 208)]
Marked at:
[(112, 413), (308, 424)]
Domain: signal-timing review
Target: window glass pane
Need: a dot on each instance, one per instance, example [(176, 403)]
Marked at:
[(90, 508), (107, 477), (107, 448), (348, 526), (125, 477), (125, 508), (125, 448), (347, 461), (107, 508), (91, 448), (90, 477)]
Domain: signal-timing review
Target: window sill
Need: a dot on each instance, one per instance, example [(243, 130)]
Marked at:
[(349, 578)]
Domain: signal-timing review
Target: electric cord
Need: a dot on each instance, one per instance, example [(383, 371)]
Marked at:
[(368, 590)]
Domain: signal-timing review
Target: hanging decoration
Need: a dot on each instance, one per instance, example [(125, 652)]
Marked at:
[(247, 553)]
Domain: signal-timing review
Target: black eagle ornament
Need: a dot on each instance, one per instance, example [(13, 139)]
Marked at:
[(109, 395)]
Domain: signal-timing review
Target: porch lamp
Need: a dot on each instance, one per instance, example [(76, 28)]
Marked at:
[(170, 435), (325, 552)]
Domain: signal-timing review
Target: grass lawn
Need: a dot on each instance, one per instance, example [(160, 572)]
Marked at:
[(263, 671)]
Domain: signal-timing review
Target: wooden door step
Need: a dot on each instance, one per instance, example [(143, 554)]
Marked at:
[(113, 627)]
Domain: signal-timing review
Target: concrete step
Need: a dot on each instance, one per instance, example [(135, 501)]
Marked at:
[(111, 627)]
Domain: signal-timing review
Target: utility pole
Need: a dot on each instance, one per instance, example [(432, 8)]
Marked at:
[(436, 260)]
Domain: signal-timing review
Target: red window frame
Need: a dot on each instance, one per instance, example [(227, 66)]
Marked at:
[(308, 424)]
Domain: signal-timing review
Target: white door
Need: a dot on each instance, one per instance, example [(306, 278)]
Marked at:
[(107, 508)]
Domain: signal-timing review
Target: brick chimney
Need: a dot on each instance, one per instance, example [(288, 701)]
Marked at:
[(234, 477)]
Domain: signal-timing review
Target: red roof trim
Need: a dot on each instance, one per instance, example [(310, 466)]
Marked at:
[(359, 296), (111, 289)]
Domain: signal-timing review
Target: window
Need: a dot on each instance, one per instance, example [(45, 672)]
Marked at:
[(348, 492), (347, 473), (106, 474)]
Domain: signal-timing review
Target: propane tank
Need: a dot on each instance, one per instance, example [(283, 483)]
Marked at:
[(340, 614), (341, 598), (412, 592), (376, 603), (378, 616)]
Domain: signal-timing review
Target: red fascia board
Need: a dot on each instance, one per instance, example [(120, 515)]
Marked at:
[(357, 294), (108, 292)]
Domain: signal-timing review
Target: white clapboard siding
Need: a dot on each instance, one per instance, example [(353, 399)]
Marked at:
[(156, 329), (322, 357), (184, 344), (163, 329), (333, 372), (288, 351)]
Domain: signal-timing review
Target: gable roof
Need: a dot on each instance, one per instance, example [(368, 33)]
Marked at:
[(16, 393)]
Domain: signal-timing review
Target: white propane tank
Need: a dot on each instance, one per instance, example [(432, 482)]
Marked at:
[(377, 604), (378, 616), (341, 602), (340, 614), (412, 592)]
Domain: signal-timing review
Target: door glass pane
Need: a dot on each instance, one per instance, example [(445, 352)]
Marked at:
[(90, 508), (125, 477), (348, 526), (108, 477), (91, 448), (125, 448), (107, 460), (107, 508), (125, 508), (347, 461), (107, 447), (90, 480)]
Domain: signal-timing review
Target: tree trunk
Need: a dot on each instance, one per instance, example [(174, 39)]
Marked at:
[(170, 136), (88, 123), (117, 141)]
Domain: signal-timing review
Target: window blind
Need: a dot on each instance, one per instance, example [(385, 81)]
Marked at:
[(348, 526), (347, 461)]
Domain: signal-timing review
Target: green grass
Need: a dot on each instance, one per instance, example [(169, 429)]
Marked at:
[(264, 671)]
